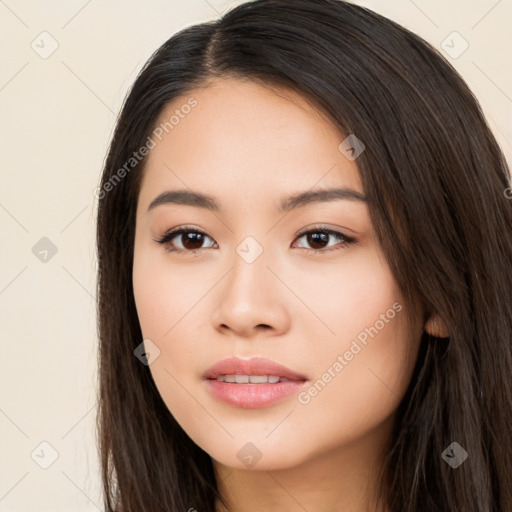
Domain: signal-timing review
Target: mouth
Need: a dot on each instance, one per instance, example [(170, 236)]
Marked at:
[(235, 378), (252, 383), (254, 370)]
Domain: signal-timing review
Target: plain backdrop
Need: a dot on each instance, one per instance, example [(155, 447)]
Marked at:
[(66, 66)]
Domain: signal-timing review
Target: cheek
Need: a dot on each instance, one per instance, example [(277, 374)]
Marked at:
[(165, 308), (347, 296), (363, 359), (162, 297)]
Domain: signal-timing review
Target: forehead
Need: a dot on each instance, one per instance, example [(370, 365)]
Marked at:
[(248, 139)]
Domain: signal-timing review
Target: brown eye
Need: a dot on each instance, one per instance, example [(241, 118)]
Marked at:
[(192, 241), (320, 237), (317, 240), (183, 240)]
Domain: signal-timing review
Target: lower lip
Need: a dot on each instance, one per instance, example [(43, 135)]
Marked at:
[(253, 396)]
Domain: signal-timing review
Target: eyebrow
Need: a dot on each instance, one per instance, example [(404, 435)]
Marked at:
[(199, 200)]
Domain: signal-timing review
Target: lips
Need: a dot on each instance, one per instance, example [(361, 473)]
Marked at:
[(254, 366), (239, 382)]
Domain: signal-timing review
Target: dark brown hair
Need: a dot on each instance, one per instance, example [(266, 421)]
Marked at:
[(435, 179)]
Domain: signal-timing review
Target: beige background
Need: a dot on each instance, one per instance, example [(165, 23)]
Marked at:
[(56, 117)]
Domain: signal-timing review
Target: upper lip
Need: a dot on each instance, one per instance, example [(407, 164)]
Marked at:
[(253, 366)]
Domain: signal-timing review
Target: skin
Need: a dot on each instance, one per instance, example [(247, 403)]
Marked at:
[(250, 146)]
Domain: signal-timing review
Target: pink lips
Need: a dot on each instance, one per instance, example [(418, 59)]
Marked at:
[(248, 395), (254, 366)]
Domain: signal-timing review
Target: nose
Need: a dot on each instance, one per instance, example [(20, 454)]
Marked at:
[(251, 299)]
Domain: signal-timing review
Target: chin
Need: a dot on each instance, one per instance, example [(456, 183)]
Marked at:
[(256, 456)]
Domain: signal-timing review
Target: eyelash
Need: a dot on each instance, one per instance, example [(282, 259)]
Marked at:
[(169, 235)]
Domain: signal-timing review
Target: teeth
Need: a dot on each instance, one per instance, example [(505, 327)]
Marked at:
[(253, 379)]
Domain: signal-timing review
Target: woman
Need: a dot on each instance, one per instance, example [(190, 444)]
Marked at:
[(305, 289)]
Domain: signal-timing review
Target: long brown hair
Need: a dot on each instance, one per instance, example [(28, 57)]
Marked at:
[(436, 183)]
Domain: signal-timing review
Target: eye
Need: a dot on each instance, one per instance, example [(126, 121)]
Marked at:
[(320, 235), (190, 240)]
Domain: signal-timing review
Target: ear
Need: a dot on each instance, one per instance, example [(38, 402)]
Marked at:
[(436, 327)]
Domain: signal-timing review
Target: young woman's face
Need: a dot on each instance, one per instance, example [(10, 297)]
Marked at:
[(256, 288)]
